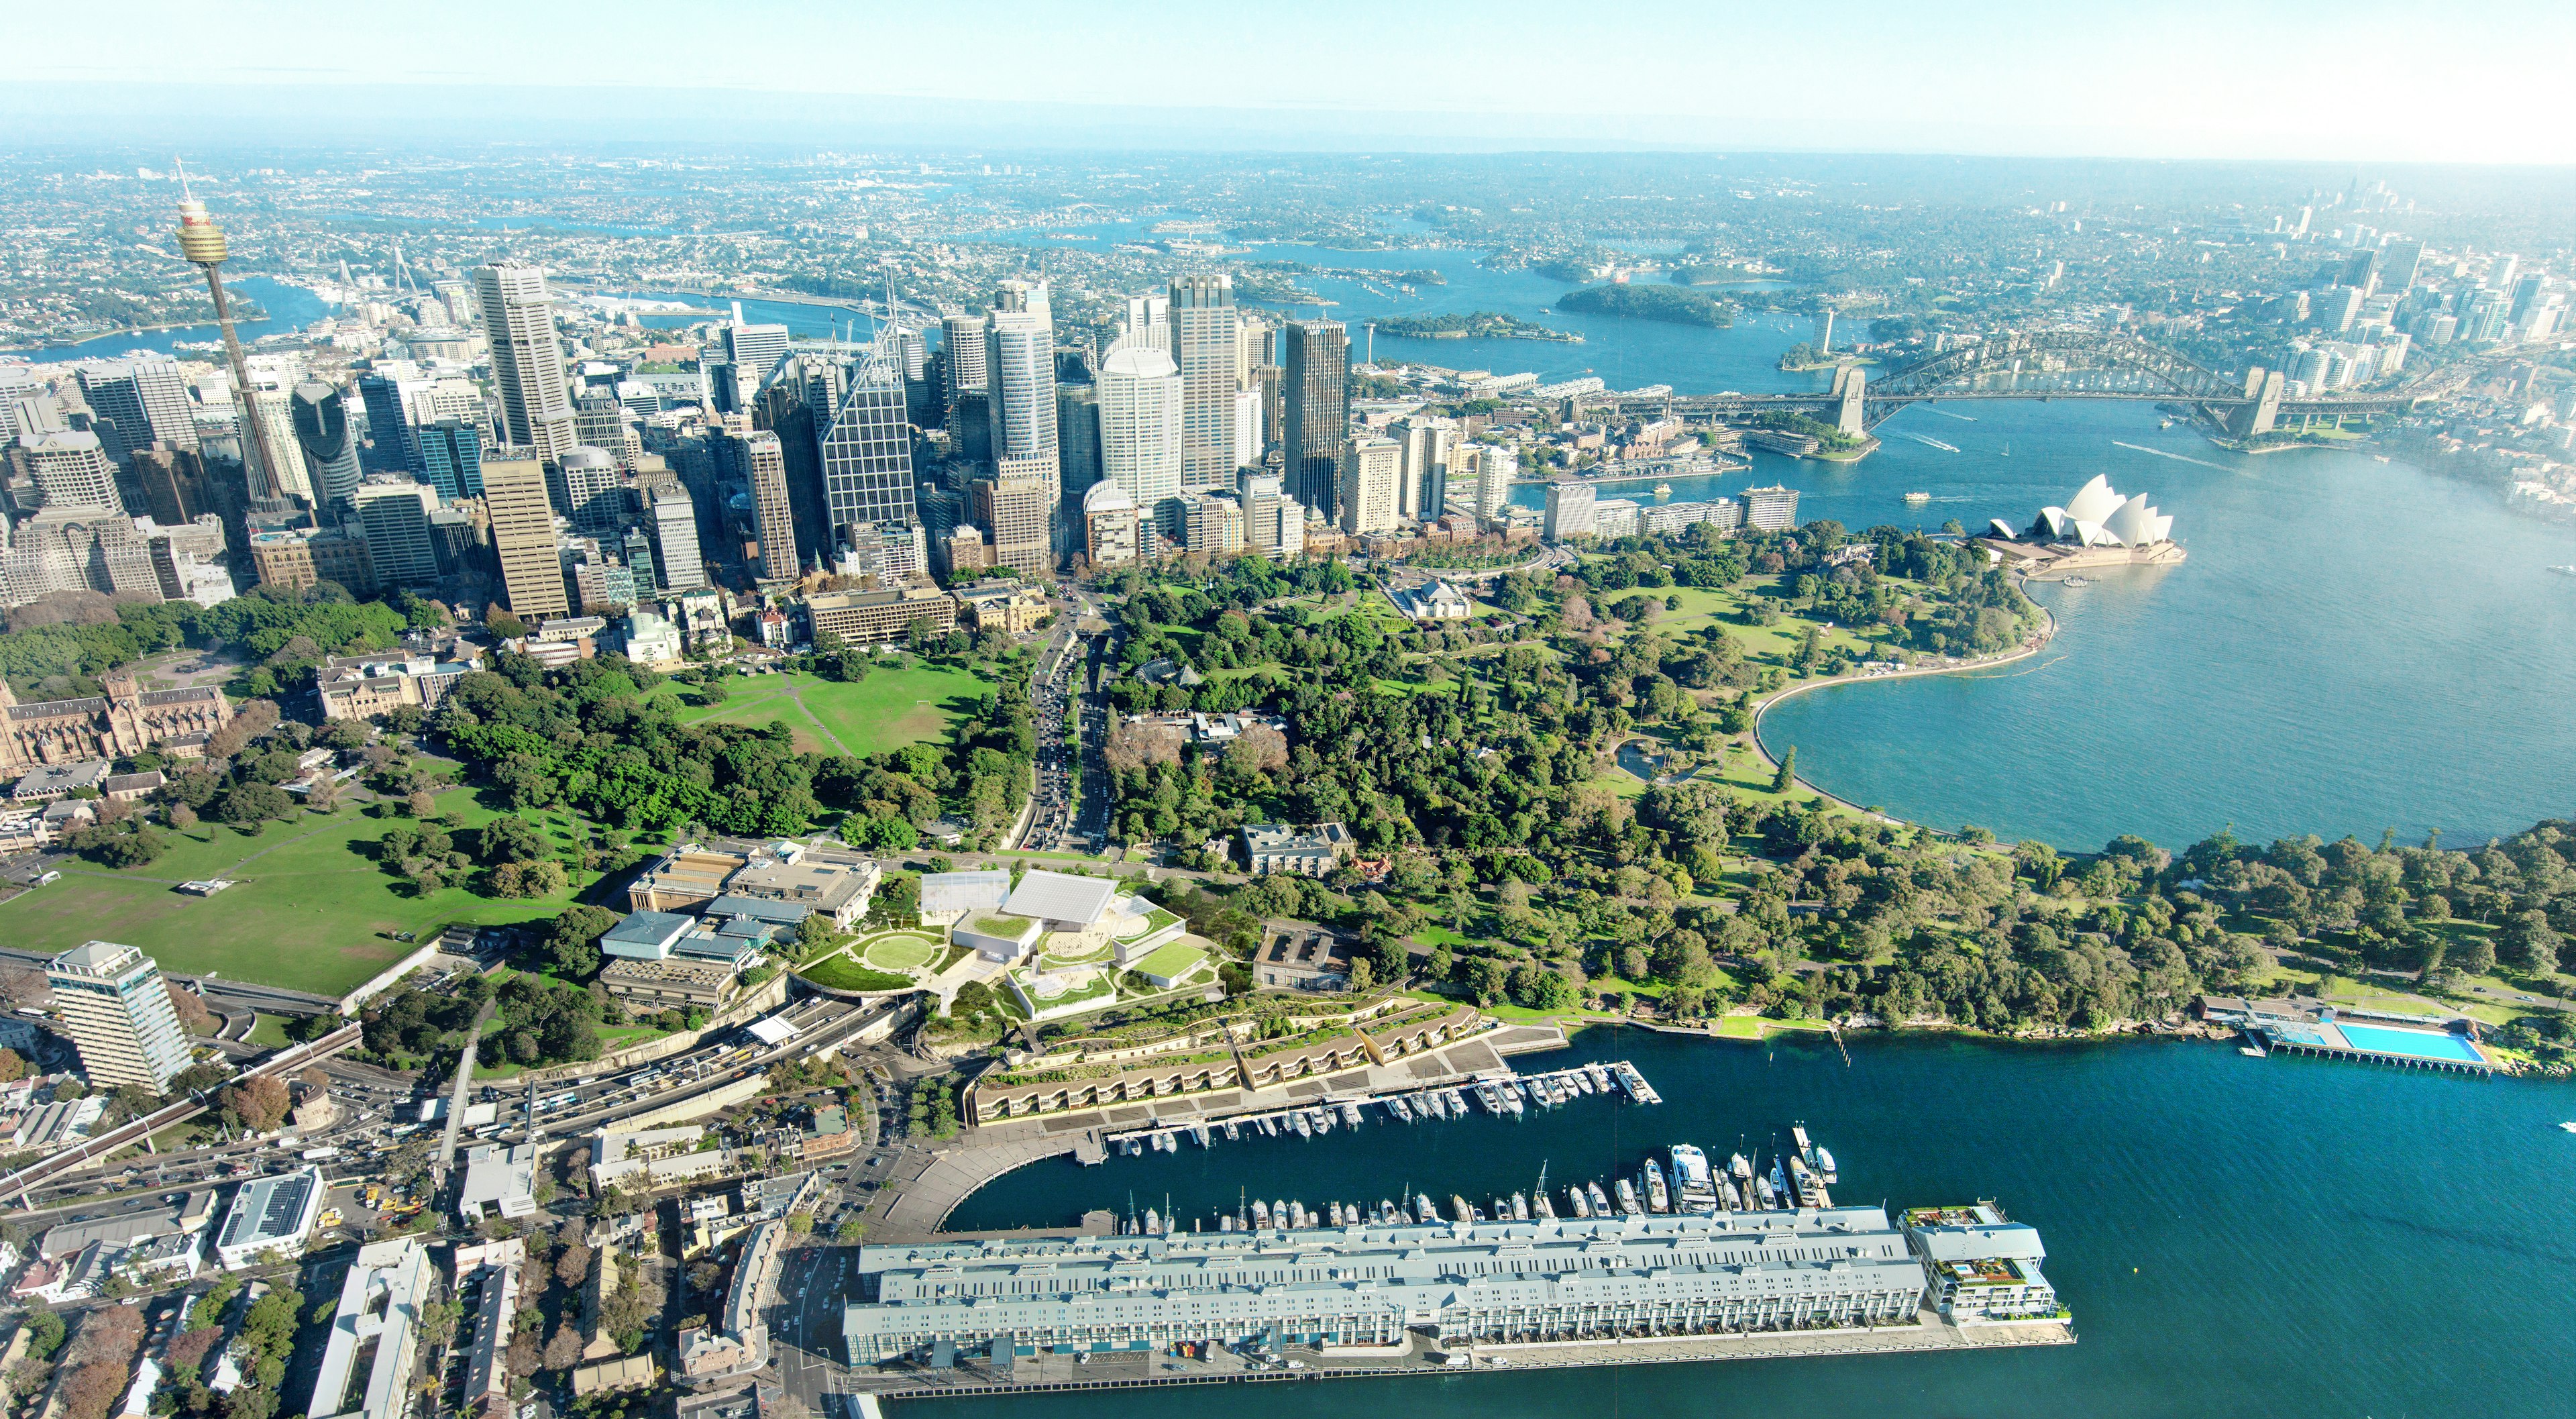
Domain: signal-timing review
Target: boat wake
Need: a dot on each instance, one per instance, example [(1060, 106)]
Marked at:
[(1933, 442), (1946, 414), (2176, 457)]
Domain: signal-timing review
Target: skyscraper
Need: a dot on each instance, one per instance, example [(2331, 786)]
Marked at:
[(2398, 263), (145, 396), (527, 363), (1204, 346), (755, 350), (1316, 414), (1498, 465), (117, 1009), (594, 492), (961, 346), (867, 450), (1019, 387), (1371, 470), (321, 421), (450, 453), (394, 513), (70, 468), (673, 525), (1142, 396), (1077, 436), (764, 466), (523, 533), (391, 446)]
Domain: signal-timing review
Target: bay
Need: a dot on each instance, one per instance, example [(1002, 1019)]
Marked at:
[(2237, 1236), (289, 308)]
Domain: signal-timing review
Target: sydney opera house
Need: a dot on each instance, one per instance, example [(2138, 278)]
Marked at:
[(2097, 528)]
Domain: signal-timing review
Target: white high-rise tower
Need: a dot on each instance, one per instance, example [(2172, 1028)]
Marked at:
[(1204, 346), (527, 363), (1140, 424)]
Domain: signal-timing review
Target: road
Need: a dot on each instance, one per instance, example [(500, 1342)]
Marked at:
[(1068, 737)]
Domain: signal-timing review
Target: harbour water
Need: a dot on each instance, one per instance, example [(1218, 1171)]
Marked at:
[(288, 308), (2233, 1235)]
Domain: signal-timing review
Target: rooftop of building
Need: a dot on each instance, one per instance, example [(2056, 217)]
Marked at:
[(1061, 896)]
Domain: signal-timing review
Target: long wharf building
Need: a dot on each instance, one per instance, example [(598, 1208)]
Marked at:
[(1561, 1279)]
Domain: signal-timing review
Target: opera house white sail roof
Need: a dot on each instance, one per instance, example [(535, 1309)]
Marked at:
[(2099, 516)]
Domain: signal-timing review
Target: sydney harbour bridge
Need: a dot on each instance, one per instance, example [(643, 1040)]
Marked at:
[(2048, 364)]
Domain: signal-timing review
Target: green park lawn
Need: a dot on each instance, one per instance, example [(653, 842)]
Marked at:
[(889, 709), (310, 911), (1170, 960), (900, 951), (1772, 644)]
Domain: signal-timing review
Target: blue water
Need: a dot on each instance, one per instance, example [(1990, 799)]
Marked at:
[(2421, 1044), (2235, 1236), (289, 308)]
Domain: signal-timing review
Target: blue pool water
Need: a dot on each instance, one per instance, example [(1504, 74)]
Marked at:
[(2419, 1044)]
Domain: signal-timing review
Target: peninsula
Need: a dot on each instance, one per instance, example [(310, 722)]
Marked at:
[(1670, 304), (1482, 325)]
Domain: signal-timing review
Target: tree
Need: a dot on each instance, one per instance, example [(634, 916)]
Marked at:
[(12, 1067), (180, 816), (420, 804), (260, 1102), (2527, 942), (1788, 771), (572, 945), (246, 804), (564, 1351), (191, 1008), (502, 624)]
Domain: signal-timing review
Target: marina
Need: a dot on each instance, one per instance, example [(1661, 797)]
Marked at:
[(1494, 1095)]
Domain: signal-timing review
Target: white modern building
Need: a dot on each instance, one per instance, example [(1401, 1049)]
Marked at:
[(272, 1215), (1140, 424)]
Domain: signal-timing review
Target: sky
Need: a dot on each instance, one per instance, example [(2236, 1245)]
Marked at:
[(2249, 79)]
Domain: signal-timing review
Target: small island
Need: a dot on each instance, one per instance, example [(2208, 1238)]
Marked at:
[(1666, 303), (1482, 325)]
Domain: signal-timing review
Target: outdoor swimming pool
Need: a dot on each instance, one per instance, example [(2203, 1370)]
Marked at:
[(2419, 1044)]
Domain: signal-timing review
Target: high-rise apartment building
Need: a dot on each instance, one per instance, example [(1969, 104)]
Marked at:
[(1315, 419), (866, 452), (320, 417), (117, 1010), (1427, 439), (1020, 509), (1371, 470), (1110, 525), (764, 467), (1771, 509), (522, 522), (1142, 398), (527, 362), (1498, 466), (1204, 346)]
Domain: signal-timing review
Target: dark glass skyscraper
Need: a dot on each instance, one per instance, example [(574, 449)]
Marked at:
[(867, 451), (390, 447), (451, 458), (330, 450), (1317, 417)]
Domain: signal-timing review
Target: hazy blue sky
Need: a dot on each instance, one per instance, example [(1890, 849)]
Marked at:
[(2465, 82)]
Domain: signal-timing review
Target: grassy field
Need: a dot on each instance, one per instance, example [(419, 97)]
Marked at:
[(901, 952), (310, 911), (1171, 960), (888, 710), (1772, 644)]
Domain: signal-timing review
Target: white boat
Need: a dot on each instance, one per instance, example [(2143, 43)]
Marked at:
[(1269, 1126), (1599, 1076), (1457, 1101), (1351, 1114), (1232, 1134), (1402, 1111), (1199, 1132), (1574, 1199), (1544, 1208), (1738, 1166), (1600, 1199), (1520, 1208), (1279, 1215), (1260, 1215), (1153, 1224), (1298, 1122), (1762, 1188), (1658, 1197), (2569, 570), (1581, 1079), (1225, 1223), (1459, 1210), (1825, 1164), (1918, 499), (1491, 1098), (2570, 1127), (1663, 490), (1386, 1212), (1323, 1119), (1627, 1196), (1131, 1147), (1423, 1211), (1511, 1101), (1298, 1216)]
